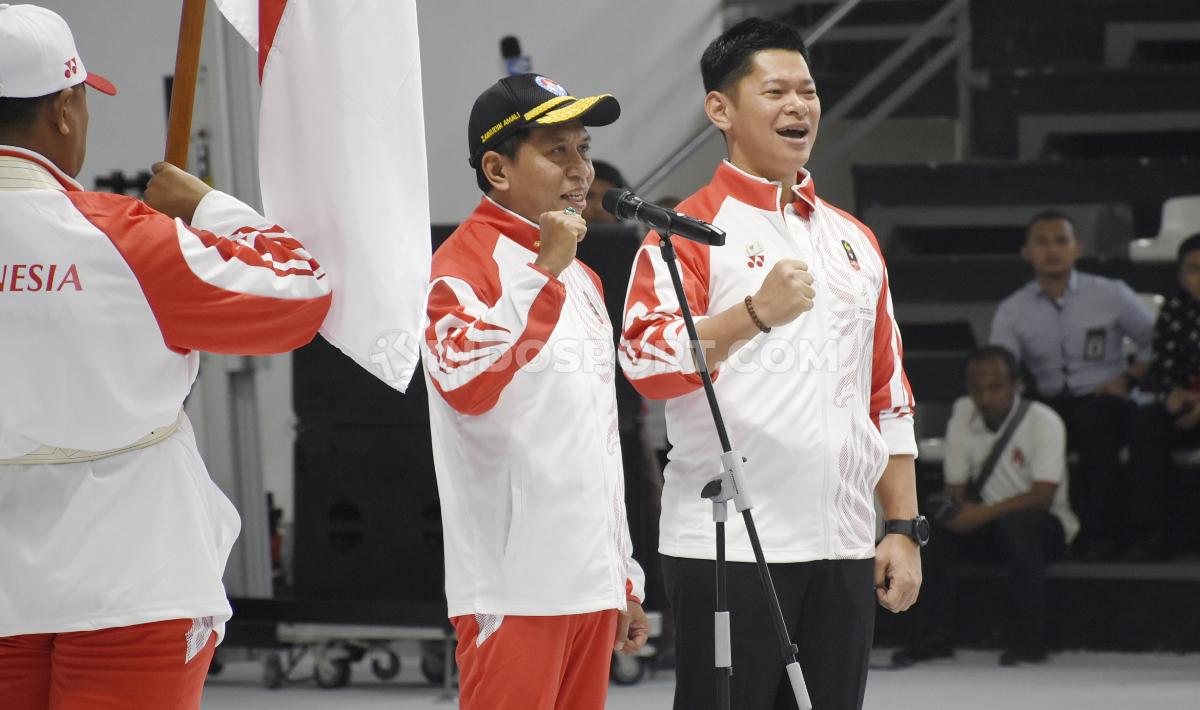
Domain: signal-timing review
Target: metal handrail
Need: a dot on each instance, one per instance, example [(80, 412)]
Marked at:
[(893, 61), (954, 11), (828, 22), (894, 100)]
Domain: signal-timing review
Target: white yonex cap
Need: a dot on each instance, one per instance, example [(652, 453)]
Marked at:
[(38, 55)]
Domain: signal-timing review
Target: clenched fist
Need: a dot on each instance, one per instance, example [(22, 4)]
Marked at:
[(785, 293), (561, 234), (174, 192)]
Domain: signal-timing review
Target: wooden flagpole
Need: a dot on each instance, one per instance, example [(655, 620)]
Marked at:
[(183, 87)]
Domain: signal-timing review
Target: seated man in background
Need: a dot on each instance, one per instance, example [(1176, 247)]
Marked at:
[(1005, 500), (1068, 328), (1172, 419)]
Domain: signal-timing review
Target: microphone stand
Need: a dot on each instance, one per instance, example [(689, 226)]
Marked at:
[(730, 486)]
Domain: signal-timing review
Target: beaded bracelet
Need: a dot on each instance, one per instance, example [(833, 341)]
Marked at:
[(754, 316)]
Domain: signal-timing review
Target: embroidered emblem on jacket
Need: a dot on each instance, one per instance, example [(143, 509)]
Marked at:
[(754, 254), (851, 255)]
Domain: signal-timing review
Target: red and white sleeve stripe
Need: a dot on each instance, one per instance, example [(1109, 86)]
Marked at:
[(655, 352), (892, 403), (249, 290), (481, 332)]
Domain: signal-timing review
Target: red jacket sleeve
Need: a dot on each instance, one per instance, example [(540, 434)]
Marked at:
[(655, 350), (482, 331), (249, 290)]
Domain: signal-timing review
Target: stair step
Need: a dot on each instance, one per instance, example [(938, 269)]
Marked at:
[(1018, 33), (989, 279), (1143, 184), (1093, 606), (1091, 94)]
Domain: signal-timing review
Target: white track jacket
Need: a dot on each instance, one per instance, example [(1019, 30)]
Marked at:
[(103, 305), (523, 412), (817, 405)]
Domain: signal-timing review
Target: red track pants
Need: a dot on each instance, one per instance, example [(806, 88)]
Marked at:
[(535, 662), (123, 668)]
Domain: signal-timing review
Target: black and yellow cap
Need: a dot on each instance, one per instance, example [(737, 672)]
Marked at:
[(526, 100)]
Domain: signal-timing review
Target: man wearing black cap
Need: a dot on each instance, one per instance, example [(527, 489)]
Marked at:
[(540, 584), (113, 538)]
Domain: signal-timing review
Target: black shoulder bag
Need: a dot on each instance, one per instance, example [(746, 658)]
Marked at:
[(975, 487), (943, 507)]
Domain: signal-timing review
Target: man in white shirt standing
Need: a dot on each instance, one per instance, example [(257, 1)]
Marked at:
[(1005, 500)]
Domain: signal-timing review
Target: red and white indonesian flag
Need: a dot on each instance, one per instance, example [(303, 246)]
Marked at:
[(342, 161)]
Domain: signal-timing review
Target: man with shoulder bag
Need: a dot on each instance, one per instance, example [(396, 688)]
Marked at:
[(1005, 501)]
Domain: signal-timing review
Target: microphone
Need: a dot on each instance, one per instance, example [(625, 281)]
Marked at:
[(626, 205), (511, 58)]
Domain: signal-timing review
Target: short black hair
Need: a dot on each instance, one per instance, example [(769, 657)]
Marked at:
[(1046, 215), (21, 112), (508, 148), (727, 59), (1188, 246), (997, 352), (609, 173)]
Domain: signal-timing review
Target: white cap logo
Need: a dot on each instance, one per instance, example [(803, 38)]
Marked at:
[(30, 38)]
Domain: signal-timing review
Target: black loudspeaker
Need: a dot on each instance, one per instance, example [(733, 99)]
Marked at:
[(328, 388), (368, 524)]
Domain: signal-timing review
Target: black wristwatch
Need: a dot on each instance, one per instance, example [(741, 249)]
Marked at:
[(917, 529)]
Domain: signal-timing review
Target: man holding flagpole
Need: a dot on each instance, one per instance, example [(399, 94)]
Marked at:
[(113, 538), (518, 352)]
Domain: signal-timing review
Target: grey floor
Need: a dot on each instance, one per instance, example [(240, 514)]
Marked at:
[(973, 681)]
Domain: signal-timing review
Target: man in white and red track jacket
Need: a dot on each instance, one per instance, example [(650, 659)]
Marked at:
[(817, 405), (795, 314), (519, 357), (113, 538)]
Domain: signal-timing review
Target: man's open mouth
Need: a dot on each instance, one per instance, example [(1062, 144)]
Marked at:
[(793, 133)]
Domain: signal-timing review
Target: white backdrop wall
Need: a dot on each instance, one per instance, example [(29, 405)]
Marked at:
[(132, 42)]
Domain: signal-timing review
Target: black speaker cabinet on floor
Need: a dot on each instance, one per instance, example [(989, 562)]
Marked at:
[(368, 525)]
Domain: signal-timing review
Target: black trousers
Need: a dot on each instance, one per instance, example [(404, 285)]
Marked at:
[(1153, 483), (1097, 428), (1024, 542), (829, 609)]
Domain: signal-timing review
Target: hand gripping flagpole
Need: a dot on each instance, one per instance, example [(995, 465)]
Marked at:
[(183, 86), (731, 486)]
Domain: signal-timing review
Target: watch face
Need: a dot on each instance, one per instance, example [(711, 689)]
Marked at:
[(921, 530)]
